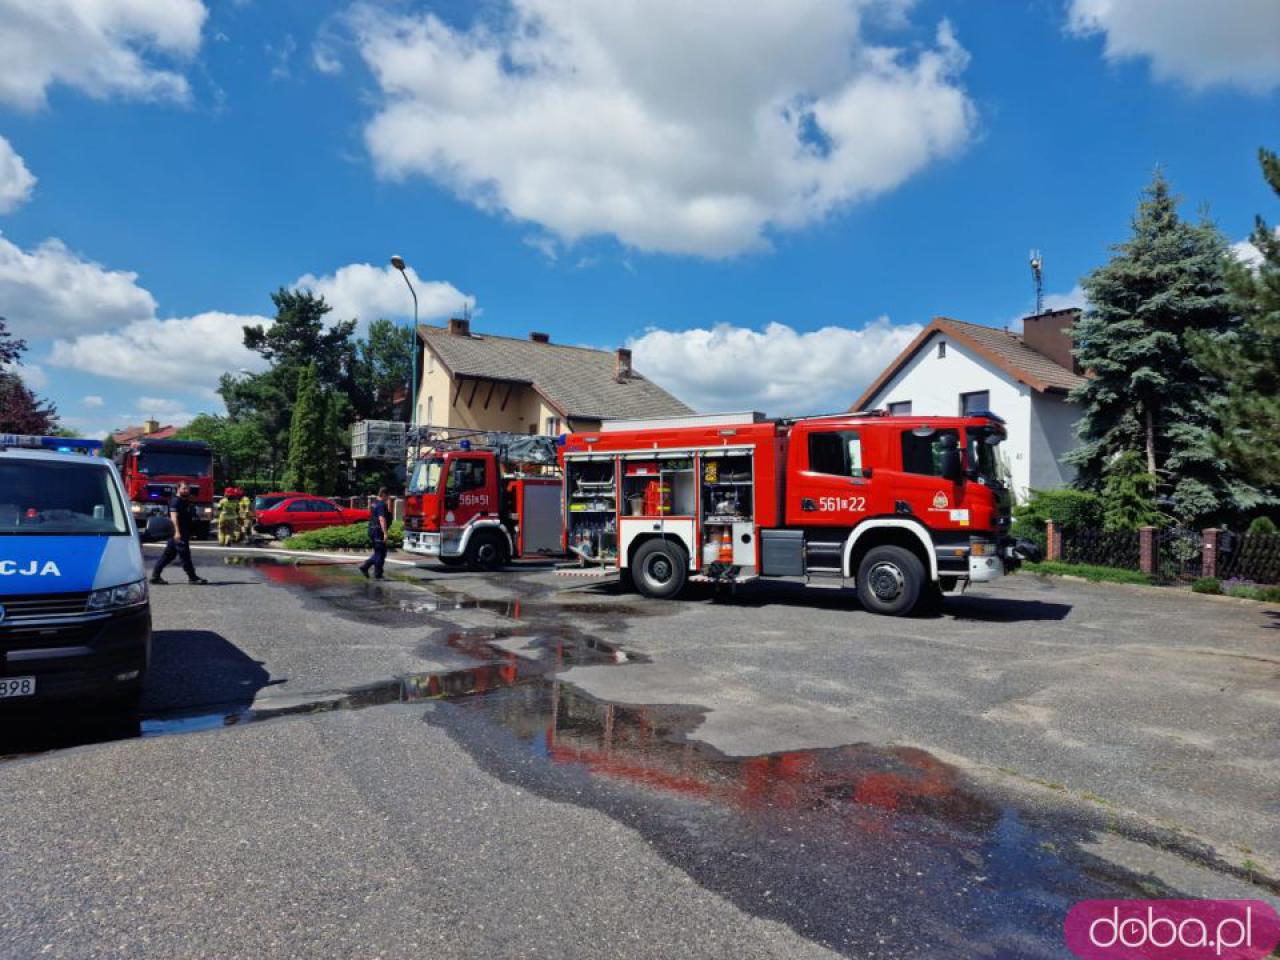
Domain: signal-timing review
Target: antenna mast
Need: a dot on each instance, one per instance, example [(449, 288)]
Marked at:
[(1037, 274)]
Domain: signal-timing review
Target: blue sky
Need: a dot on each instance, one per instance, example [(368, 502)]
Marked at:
[(766, 204)]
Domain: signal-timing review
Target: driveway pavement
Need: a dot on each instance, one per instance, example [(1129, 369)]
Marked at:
[(495, 765)]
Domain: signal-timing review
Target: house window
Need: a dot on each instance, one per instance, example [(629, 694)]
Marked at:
[(942, 349), (836, 452), (553, 426), (922, 452), (431, 410), (900, 409), (977, 402), (431, 362)]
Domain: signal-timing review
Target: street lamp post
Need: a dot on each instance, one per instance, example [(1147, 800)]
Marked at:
[(397, 261)]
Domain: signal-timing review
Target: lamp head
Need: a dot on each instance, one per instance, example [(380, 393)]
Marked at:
[(397, 261)]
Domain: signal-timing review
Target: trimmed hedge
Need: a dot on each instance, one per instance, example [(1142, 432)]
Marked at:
[(354, 537)]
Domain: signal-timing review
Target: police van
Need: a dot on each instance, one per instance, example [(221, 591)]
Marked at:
[(75, 618)]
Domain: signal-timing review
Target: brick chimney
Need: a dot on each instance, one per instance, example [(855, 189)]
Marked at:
[(1050, 334), (150, 426), (537, 337), (622, 364), (460, 327)]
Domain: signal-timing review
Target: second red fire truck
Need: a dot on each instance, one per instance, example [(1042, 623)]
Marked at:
[(901, 508), (152, 470)]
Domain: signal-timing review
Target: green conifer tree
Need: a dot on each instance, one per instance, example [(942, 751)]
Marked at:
[(1146, 392), (1249, 363), (310, 449)]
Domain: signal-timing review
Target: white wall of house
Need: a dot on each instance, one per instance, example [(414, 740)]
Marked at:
[(1053, 433), (933, 385)]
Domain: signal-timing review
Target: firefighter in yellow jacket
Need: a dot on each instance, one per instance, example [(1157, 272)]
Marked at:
[(228, 522), (246, 519)]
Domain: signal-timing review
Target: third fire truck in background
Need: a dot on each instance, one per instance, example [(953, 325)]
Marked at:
[(902, 508), (152, 470)]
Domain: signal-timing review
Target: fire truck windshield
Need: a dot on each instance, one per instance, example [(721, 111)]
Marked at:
[(161, 463), (983, 458), (426, 476)]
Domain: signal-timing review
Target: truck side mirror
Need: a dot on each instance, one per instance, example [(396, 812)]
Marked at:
[(949, 461)]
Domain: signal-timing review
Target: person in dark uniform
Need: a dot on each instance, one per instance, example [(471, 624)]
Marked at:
[(182, 514), (379, 521)]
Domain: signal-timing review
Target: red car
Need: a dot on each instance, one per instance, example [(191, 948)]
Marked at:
[(296, 512)]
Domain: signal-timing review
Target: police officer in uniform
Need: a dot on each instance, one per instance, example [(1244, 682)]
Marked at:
[(379, 521), (182, 514)]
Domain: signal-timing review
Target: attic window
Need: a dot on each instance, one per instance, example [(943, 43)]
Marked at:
[(942, 349)]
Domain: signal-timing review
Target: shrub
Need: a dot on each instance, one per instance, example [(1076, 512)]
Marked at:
[(1248, 590), (1129, 495), (1071, 510), (354, 537), (1263, 526), (1207, 585), (1087, 571)]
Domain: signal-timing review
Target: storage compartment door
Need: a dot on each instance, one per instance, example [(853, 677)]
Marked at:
[(540, 526), (782, 553)]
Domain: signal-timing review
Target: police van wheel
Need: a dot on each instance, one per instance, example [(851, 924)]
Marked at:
[(890, 580), (486, 552), (282, 532), (660, 569), (124, 703)]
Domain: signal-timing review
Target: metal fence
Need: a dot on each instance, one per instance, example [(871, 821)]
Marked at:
[(1253, 557), (1179, 554), (1103, 548)]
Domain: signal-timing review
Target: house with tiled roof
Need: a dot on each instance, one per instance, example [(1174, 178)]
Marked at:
[(151, 429), (532, 386), (954, 367)]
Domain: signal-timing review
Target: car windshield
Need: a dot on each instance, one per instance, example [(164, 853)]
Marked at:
[(426, 476), (265, 503), (160, 463), (43, 497), (982, 457)]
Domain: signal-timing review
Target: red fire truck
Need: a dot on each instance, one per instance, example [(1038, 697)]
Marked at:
[(152, 470), (902, 508), (484, 499)]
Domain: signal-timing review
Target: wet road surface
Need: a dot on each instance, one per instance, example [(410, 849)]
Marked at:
[(864, 849)]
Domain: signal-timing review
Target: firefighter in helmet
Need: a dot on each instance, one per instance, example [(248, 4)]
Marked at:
[(246, 519), (227, 521)]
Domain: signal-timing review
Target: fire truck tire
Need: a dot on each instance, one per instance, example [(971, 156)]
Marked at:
[(890, 580), (452, 561), (660, 569), (486, 551)]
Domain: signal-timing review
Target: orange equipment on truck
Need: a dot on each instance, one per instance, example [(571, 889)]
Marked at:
[(483, 499), (901, 507)]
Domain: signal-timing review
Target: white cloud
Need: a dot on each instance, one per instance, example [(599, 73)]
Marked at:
[(165, 411), (181, 353), (102, 48), (361, 290), (1247, 253), (1196, 42), (777, 370), (92, 400), (52, 291), (16, 181), (33, 375), (324, 59), (1073, 298), (676, 127)]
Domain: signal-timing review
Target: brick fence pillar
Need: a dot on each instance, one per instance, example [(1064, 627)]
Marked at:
[(1147, 549), (1209, 552), (1052, 541)]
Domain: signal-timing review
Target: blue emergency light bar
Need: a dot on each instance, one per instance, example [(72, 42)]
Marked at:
[(58, 444)]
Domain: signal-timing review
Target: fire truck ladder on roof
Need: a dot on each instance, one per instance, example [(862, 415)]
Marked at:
[(508, 448)]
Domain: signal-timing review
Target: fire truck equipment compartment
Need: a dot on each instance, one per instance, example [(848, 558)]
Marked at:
[(782, 553)]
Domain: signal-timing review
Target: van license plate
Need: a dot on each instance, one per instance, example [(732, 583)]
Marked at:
[(17, 687)]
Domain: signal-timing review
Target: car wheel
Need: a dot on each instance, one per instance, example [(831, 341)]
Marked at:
[(486, 551), (890, 580), (659, 569), (282, 532)]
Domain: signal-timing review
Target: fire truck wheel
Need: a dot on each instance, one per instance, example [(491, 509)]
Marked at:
[(659, 569), (452, 561), (486, 551), (890, 580)]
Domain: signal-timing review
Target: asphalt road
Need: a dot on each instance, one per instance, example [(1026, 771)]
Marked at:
[(450, 764)]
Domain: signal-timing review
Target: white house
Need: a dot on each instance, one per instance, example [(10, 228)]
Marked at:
[(954, 367)]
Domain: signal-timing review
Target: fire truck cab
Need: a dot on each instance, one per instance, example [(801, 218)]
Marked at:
[(483, 501), (902, 508), (152, 470)]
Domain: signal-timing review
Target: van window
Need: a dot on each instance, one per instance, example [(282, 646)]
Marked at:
[(923, 454), (836, 452), (43, 497)]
